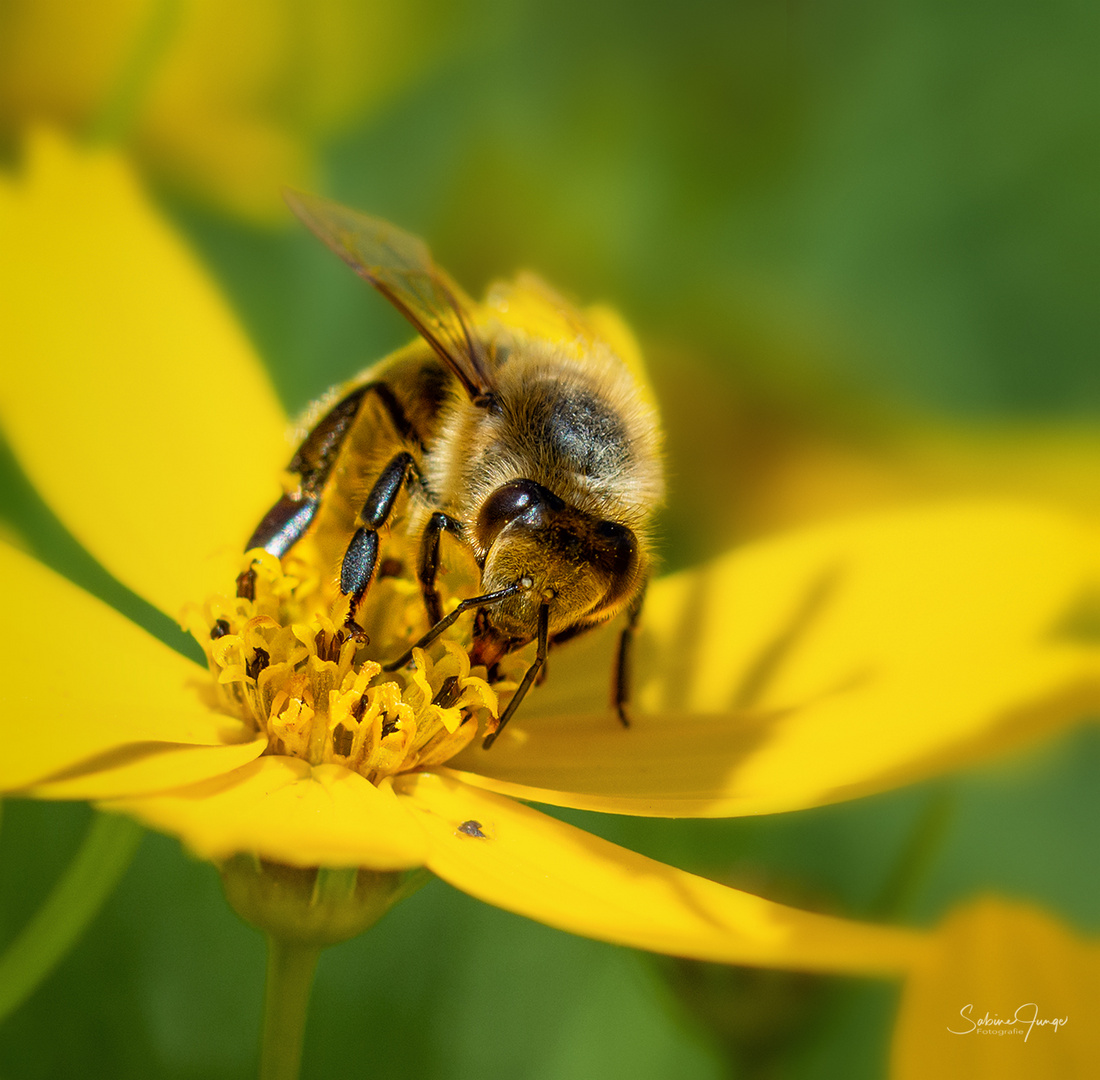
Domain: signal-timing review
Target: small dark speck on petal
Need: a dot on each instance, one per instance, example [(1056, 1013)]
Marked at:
[(472, 828)]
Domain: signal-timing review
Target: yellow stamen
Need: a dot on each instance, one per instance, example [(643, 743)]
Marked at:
[(319, 694)]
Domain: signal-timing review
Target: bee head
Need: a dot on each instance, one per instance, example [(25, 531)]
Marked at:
[(582, 568)]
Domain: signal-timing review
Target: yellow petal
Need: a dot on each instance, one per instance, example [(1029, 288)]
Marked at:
[(516, 858), (284, 810), (236, 96), (128, 379), (138, 768), (1005, 992), (828, 664), (95, 706)]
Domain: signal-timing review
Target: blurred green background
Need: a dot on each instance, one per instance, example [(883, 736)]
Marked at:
[(859, 246)]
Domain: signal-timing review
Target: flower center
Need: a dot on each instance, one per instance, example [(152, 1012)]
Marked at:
[(320, 694)]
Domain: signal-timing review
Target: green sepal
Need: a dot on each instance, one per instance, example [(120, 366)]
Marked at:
[(313, 906)]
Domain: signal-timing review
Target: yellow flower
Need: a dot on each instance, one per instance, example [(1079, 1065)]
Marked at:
[(1004, 992), (825, 665), (226, 101)]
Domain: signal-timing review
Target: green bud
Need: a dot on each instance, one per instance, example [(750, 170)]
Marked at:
[(313, 906)]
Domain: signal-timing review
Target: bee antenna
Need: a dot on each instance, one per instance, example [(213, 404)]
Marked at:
[(447, 621), (528, 679)]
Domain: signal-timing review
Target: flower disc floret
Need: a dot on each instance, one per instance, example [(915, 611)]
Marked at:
[(319, 693)]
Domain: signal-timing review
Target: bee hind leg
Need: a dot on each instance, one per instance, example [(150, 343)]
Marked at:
[(284, 524), (287, 521), (279, 530), (361, 557)]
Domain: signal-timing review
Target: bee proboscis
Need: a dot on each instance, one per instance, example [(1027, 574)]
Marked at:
[(515, 427)]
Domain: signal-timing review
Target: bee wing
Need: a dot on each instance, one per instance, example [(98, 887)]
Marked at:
[(400, 267)]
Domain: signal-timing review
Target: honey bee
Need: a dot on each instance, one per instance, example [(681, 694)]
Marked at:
[(513, 426)]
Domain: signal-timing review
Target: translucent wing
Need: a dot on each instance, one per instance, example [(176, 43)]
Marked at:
[(400, 267)]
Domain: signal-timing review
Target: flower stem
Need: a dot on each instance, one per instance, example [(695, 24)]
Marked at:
[(75, 900), (290, 967)]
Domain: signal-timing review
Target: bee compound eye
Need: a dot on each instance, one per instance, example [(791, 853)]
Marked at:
[(516, 500), (617, 546)]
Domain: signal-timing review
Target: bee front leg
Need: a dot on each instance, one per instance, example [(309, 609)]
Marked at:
[(623, 683), (361, 558)]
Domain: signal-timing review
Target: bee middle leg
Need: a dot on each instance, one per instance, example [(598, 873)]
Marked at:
[(361, 557), (428, 562)]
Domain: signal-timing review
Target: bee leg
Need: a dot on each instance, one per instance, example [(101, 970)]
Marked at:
[(528, 678), (621, 684), (281, 528), (361, 558), (286, 522), (428, 565), (283, 525)]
